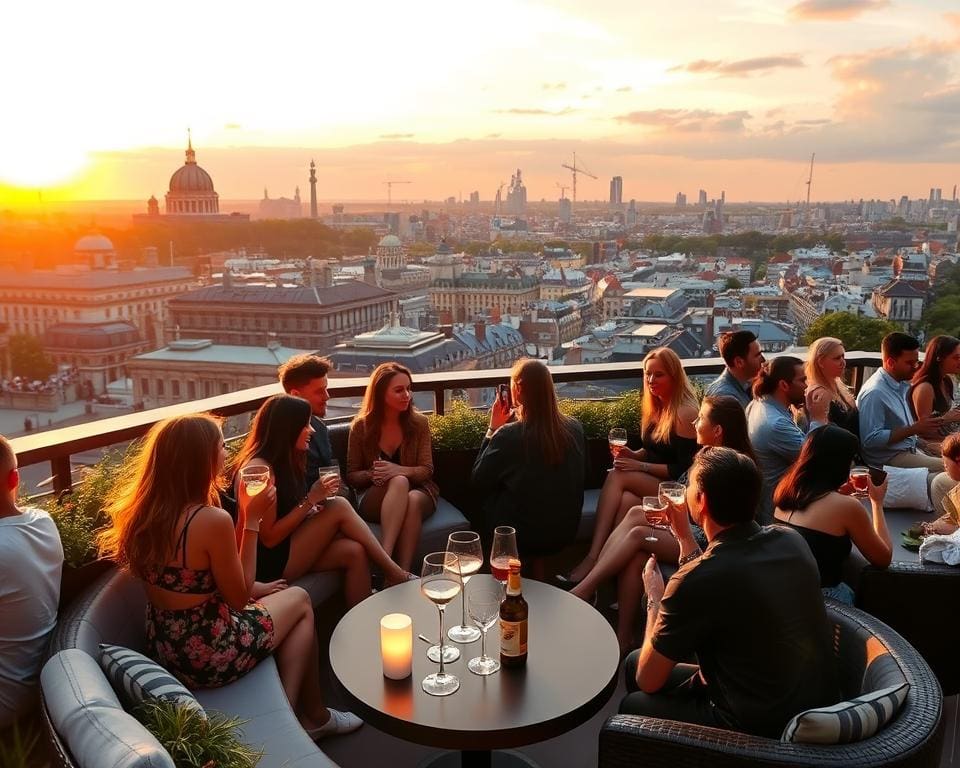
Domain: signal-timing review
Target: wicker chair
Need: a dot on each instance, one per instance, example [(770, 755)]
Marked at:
[(914, 738)]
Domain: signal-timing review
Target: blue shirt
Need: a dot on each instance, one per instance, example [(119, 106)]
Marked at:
[(776, 440), (883, 408), (319, 451), (728, 384)]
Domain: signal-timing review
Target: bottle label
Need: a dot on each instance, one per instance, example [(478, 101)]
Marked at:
[(513, 638)]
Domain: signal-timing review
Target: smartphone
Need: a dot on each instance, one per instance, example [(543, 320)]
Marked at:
[(503, 392), (877, 476)]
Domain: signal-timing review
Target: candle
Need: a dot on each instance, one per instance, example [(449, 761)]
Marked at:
[(396, 645)]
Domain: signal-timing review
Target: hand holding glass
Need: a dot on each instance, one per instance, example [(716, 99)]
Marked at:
[(655, 510), (617, 440), (484, 608), (465, 545), (859, 477), (440, 583), (254, 479)]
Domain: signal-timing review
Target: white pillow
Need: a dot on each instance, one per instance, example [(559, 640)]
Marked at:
[(907, 488), (848, 721)]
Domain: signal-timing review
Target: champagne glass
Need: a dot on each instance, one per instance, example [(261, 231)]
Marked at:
[(466, 546), (655, 510), (503, 550), (617, 440), (484, 611), (254, 479), (859, 477), (440, 583), (672, 492)]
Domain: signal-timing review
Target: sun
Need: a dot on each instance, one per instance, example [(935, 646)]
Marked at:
[(35, 167)]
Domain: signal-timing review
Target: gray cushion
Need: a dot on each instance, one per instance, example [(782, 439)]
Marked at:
[(137, 679), (321, 586), (436, 529), (848, 721), (588, 517), (87, 715)]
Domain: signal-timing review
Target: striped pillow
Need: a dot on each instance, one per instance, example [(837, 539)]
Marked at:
[(847, 721), (136, 679)]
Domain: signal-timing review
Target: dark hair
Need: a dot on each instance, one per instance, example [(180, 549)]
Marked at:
[(822, 467), (716, 471), (782, 368), (931, 372), (729, 415), (950, 447), (896, 343), (273, 438), (734, 344), (300, 370)]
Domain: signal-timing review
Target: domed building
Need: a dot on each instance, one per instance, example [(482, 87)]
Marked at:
[(191, 188), (96, 251)]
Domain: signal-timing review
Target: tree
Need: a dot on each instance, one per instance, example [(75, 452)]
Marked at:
[(942, 316), (856, 332), (27, 358), (733, 284)]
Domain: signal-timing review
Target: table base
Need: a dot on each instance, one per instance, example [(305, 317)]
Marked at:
[(479, 759)]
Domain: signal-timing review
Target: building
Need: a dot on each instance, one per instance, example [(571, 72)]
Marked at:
[(392, 271), (280, 207), (557, 284), (313, 191), (667, 305), (191, 369), (616, 191), (314, 318), (900, 302), (547, 326), (634, 342), (459, 296), (517, 195)]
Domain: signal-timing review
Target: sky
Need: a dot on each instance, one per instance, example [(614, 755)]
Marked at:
[(729, 95)]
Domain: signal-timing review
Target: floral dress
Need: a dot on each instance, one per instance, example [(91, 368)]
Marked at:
[(210, 644)]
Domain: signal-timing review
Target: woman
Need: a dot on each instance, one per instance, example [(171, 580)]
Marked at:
[(529, 472), (826, 362), (201, 625), (668, 410), (720, 422), (808, 499), (389, 460), (931, 390), (306, 529)]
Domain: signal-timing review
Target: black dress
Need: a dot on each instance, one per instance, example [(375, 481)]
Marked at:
[(677, 452)]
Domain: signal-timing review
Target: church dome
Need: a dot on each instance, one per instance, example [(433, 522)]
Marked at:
[(89, 243), (191, 178), (390, 241)]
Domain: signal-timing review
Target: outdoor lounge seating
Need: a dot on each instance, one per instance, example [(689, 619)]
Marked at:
[(913, 738)]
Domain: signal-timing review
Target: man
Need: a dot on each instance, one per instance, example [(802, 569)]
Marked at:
[(740, 350), (31, 561), (888, 432), (306, 376), (774, 435), (749, 608)]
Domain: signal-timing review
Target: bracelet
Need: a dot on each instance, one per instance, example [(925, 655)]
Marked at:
[(252, 530), (653, 604), (692, 556)]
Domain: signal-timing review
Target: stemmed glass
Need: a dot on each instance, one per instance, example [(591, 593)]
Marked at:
[(484, 610), (617, 440), (655, 510), (504, 550), (859, 477), (440, 583), (254, 479), (465, 545)]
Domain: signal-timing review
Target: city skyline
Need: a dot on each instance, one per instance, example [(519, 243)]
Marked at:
[(456, 99)]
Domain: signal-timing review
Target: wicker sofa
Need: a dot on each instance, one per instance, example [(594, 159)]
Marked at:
[(913, 738)]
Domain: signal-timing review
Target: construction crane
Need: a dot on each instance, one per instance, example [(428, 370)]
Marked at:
[(809, 182), (390, 189), (563, 190), (575, 170)]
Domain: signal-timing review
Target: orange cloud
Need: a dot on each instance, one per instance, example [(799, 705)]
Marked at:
[(741, 68), (688, 120), (834, 10)]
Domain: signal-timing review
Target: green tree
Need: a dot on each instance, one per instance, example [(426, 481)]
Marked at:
[(942, 316), (856, 332), (733, 284), (27, 358)]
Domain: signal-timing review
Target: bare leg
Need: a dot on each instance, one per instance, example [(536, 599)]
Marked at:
[(628, 501), (607, 505), (350, 557), (619, 555), (419, 507), (629, 592), (392, 502)]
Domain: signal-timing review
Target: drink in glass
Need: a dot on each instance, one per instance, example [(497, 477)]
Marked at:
[(655, 510), (254, 479), (484, 609), (440, 583), (466, 546), (617, 440), (504, 550), (328, 474), (672, 492), (859, 478)]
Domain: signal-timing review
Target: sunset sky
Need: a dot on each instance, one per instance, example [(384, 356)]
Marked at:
[(454, 96)]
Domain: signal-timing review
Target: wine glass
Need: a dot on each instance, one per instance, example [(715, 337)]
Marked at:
[(484, 611), (617, 440), (254, 479), (672, 491), (859, 477), (326, 473), (504, 550), (655, 510), (440, 583), (465, 545)]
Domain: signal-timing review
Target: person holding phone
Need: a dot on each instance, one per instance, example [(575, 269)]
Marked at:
[(809, 500)]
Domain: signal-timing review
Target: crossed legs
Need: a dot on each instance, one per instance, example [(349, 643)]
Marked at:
[(400, 511)]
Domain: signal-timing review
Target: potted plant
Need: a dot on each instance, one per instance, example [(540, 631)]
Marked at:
[(456, 438), (598, 417)]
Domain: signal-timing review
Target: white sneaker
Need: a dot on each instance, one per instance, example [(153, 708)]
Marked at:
[(338, 724)]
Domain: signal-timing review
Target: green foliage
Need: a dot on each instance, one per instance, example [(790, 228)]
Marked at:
[(19, 748), (733, 284), (856, 332), (598, 417), (194, 741), (460, 428), (27, 357), (942, 316)]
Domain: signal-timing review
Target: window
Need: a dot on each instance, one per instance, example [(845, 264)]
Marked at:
[(144, 387), (191, 390), (160, 388), (175, 388)]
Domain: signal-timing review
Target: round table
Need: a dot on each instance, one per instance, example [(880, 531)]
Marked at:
[(571, 671)]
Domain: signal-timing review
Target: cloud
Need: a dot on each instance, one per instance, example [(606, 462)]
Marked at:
[(624, 89), (396, 136), (534, 111), (554, 86), (232, 127), (493, 136), (741, 68), (834, 10), (688, 120)]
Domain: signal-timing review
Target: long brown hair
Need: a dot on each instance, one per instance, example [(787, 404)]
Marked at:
[(656, 414), (176, 466), (931, 372), (728, 414), (545, 430), (273, 438), (373, 407)]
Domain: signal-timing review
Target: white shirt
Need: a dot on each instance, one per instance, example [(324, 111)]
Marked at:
[(31, 561)]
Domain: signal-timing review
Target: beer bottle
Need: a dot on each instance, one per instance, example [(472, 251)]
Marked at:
[(513, 621)]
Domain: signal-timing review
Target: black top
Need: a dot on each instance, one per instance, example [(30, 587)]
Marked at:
[(830, 552), (677, 453), (941, 404), (844, 416), (543, 502), (751, 610), (271, 561), (319, 451)]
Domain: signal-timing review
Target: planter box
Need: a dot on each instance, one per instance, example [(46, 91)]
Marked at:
[(598, 460), (451, 470), (74, 581)]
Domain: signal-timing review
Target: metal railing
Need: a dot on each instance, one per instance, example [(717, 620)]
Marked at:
[(58, 445)]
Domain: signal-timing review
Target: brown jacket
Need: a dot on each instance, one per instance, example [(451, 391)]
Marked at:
[(415, 451)]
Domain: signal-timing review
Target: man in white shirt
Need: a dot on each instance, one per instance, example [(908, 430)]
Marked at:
[(31, 561)]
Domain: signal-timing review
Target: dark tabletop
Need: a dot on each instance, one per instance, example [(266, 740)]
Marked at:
[(570, 674)]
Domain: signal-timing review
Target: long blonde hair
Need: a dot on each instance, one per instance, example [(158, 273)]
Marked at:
[(545, 429), (174, 467), (819, 349), (662, 416)]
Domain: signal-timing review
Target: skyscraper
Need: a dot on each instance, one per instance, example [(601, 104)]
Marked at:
[(616, 190), (313, 190), (702, 198)]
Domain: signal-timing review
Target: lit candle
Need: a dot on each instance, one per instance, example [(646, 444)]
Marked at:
[(396, 645)]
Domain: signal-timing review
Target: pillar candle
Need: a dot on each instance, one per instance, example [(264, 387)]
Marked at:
[(396, 645)]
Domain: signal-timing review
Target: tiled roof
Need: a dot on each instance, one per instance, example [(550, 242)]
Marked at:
[(91, 280), (344, 293)]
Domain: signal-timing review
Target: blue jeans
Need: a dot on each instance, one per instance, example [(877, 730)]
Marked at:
[(841, 593)]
